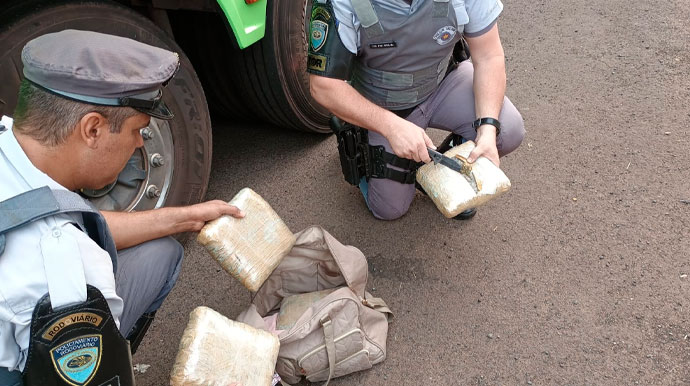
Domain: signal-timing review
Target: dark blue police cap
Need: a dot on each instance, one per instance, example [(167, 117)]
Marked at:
[(101, 69)]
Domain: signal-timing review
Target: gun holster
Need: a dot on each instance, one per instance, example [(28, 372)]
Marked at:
[(358, 159), (461, 51)]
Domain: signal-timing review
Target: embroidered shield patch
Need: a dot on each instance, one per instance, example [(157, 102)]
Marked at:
[(445, 34), (318, 32), (77, 360)]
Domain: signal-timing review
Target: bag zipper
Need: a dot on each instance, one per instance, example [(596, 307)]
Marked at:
[(340, 363), (322, 308), (323, 346)]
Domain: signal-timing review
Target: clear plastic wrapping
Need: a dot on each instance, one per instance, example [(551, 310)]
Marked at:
[(454, 192), (249, 248), (216, 351), (292, 307)]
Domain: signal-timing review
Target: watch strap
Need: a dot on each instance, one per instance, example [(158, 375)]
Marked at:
[(487, 121)]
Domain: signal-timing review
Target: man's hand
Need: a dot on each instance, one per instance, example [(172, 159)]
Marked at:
[(486, 145), (409, 141), (133, 228), (199, 214)]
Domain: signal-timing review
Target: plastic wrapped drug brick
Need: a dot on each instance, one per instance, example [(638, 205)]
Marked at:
[(292, 307), (216, 351), (454, 192), (249, 248)]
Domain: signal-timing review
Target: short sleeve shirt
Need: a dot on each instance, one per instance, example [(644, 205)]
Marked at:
[(22, 265), (476, 16)]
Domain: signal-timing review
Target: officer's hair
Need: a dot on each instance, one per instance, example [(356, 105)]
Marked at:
[(50, 119)]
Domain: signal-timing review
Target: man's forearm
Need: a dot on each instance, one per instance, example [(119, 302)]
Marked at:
[(345, 102), (132, 228), (406, 138), (489, 80), (489, 86), (129, 229)]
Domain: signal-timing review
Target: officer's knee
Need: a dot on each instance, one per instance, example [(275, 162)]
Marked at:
[(387, 214), (383, 210), (512, 132), (174, 250), (166, 259), (167, 252)]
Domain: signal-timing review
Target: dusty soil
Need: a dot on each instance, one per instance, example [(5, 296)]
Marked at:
[(578, 276)]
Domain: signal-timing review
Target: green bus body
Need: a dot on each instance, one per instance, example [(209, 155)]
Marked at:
[(248, 21)]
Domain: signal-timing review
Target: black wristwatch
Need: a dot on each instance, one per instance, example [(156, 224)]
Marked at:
[(487, 121)]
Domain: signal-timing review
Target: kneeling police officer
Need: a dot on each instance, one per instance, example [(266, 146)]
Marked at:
[(79, 287), (408, 69)]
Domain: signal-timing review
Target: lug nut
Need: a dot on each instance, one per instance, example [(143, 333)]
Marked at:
[(153, 192), (146, 133), (157, 160)]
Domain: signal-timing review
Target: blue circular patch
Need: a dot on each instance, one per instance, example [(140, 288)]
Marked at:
[(318, 34)]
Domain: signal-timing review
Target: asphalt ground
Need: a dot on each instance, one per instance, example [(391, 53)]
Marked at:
[(577, 276)]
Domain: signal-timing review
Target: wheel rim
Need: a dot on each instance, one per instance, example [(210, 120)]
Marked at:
[(146, 179)]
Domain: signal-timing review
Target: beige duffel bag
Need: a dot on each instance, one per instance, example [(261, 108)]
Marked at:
[(331, 325)]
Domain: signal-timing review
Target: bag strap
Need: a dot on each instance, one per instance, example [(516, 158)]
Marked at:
[(329, 338), (43, 202), (377, 304)]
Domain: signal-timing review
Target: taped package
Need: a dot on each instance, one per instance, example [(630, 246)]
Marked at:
[(249, 248), (454, 192), (217, 351)]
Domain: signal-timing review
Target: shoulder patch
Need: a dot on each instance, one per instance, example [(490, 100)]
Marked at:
[(318, 33), (317, 62), (79, 317), (77, 360), (318, 27), (320, 12)]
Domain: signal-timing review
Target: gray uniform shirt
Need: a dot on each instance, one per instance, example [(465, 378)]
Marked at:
[(477, 16)]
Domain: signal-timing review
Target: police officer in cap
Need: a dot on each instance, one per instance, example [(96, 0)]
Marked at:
[(78, 287), (405, 60)]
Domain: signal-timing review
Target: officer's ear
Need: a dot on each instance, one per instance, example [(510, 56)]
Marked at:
[(92, 127)]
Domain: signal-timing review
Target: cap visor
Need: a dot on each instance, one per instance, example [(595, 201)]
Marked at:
[(160, 111)]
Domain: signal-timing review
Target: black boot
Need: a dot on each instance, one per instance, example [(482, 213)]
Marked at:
[(466, 214), (136, 335), (450, 141)]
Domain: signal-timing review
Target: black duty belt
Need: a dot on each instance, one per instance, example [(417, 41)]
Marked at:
[(358, 159)]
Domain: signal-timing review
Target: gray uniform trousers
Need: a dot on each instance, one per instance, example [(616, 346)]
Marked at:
[(451, 108), (146, 273)]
